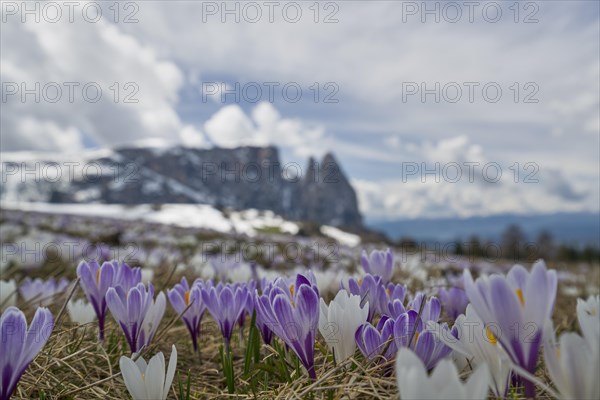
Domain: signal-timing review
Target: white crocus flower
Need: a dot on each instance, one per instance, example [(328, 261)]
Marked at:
[(339, 321), (588, 315), (80, 311), (148, 381), (444, 382), (152, 319), (147, 275), (574, 362), (8, 294), (479, 346)]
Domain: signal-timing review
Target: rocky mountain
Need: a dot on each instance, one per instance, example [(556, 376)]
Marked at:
[(239, 178)]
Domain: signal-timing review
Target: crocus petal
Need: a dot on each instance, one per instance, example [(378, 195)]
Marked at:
[(155, 377), (133, 378), (38, 334), (477, 384), (170, 372), (13, 328)]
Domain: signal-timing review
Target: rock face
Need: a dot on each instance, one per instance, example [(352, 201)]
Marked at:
[(240, 178)]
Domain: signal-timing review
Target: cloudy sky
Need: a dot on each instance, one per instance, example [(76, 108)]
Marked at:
[(390, 87)]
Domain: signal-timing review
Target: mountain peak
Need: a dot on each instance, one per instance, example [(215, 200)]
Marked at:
[(239, 178)]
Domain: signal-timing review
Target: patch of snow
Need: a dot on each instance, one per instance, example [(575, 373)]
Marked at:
[(87, 195), (345, 238)]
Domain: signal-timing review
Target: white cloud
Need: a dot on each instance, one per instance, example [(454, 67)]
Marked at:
[(138, 89), (456, 149), (191, 137), (430, 191), (231, 127), (47, 135)]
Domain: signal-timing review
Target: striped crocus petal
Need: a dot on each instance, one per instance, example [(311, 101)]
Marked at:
[(380, 263), (410, 331), (124, 275), (377, 343), (407, 328), (183, 297), (95, 281), (395, 291), (293, 315), (431, 309), (20, 345), (396, 308), (129, 309), (370, 289), (430, 348), (261, 323), (454, 301), (225, 303), (515, 309)]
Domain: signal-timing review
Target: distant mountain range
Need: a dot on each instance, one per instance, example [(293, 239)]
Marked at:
[(572, 228), (239, 178)]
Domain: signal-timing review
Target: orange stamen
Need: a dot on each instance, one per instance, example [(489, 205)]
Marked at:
[(520, 296), (292, 293), (490, 336), (186, 296)]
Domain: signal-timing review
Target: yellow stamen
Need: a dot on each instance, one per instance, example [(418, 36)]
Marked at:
[(186, 296), (490, 336), (593, 312), (360, 281), (98, 276), (520, 296), (292, 293)]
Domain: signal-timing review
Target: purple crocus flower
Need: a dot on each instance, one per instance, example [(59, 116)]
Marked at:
[(410, 331), (249, 306), (292, 313), (136, 312), (454, 301), (514, 309), (99, 252), (180, 297), (395, 300), (19, 345), (431, 309), (125, 276), (395, 291), (41, 292), (396, 308), (380, 263), (226, 303), (377, 343), (265, 332), (95, 281), (370, 288)]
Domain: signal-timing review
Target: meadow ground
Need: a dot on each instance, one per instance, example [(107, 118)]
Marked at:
[(74, 365)]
